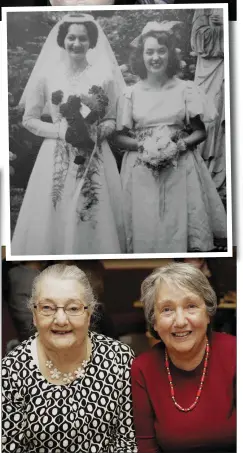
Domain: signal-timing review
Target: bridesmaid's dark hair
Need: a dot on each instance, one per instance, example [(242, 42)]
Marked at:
[(91, 28), (137, 62)]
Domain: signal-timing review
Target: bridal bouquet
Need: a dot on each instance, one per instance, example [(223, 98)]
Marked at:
[(80, 113), (158, 150), (97, 101)]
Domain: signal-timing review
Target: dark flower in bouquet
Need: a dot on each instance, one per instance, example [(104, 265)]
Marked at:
[(77, 133), (57, 97)]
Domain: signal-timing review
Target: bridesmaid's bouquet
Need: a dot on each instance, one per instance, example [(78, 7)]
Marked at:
[(158, 150)]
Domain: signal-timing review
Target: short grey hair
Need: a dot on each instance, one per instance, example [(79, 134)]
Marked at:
[(183, 276), (65, 272)]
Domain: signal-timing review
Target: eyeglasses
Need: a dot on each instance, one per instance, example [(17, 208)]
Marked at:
[(71, 309)]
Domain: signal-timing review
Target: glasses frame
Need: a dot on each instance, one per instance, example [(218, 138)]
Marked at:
[(56, 309)]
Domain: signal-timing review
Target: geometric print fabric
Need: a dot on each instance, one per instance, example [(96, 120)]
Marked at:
[(93, 414)]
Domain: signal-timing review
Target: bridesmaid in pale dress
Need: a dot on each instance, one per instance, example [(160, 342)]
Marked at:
[(170, 201)]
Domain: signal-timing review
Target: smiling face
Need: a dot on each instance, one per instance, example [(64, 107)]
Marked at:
[(155, 56), (181, 319), (77, 41), (61, 331)]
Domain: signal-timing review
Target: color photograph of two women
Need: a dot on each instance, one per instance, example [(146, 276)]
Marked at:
[(119, 356), (119, 133)]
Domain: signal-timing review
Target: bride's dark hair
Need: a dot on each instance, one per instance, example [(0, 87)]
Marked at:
[(91, 28)]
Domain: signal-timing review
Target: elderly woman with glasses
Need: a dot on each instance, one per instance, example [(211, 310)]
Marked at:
[(66, 389), (184, 388)]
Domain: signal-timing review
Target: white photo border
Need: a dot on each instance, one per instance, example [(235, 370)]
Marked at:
[(6, 178)]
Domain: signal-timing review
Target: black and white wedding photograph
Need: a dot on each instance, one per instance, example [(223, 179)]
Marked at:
[(119, 132)]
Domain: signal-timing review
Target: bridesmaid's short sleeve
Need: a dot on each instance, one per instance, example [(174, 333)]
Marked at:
[(110, 90), (124, 110), (199, 104)]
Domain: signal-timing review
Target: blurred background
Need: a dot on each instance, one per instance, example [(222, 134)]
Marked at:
[(116, 284)]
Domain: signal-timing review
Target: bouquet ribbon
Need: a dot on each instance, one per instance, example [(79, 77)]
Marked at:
[(72, 210)]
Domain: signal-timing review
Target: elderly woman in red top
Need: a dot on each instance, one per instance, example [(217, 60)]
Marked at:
[(184, 388)]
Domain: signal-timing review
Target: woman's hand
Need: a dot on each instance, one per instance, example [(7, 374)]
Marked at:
[(181, 145), (105, 129), (198, 134)]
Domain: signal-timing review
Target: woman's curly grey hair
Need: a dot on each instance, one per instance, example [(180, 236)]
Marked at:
[(65, 272), (181, 275)]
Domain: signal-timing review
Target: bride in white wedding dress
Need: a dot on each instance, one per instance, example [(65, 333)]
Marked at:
[(72, 204)]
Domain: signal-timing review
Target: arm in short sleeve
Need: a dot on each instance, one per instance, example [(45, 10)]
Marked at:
[(109, 120), (34, 106), (110, 90), (143, 413), (125, 434), (124, 110), (13, 439)]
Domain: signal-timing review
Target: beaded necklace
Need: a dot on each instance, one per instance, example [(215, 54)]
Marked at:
[(190, 408)]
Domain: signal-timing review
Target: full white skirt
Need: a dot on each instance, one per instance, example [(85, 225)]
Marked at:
[(43, 229)]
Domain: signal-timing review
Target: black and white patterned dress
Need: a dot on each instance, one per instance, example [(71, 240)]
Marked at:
[(93, 414)]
